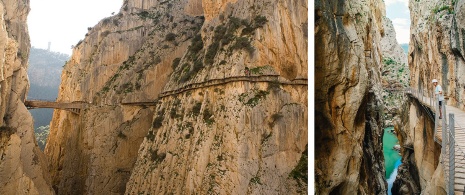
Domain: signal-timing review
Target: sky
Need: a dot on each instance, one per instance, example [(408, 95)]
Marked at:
[(398, 12), (64, 22)]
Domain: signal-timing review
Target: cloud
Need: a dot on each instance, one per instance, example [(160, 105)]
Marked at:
[(401, 22), (402, 27), (391, 2)]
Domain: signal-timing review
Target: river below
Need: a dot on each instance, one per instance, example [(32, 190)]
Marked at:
[(391, 157)]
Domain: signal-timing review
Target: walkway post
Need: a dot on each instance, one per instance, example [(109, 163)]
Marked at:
[(443, 145), (451, 154), (436, 120)]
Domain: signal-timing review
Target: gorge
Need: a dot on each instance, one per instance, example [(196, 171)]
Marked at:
[(168, 107), (355, 89)]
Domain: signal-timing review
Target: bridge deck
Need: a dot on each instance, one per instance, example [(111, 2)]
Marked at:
[(459, 120), (74, 107)]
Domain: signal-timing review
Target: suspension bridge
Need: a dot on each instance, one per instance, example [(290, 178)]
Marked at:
[(450, 134)]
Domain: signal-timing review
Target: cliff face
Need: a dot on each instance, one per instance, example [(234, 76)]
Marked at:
[(164, 87), (348, 125), (435, 52), (22, 164), (237, 137), (124, 58), (420, 171), (395, 73), (437, 48)]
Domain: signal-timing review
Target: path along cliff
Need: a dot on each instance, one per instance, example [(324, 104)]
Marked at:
[(237, 137)]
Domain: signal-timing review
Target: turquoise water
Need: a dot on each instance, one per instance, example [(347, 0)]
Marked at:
[(392, 178), (392, 158)]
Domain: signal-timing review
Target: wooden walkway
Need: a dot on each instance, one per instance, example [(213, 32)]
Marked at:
[(74, 107), (459, 121), (255, 78)]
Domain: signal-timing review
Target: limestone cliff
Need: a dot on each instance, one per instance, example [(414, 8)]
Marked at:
[(124, 58), (217, 132), (169, 109), (22, 164), (395, 73), (420, 171), (435, 52), (437, 48), (348, 100)]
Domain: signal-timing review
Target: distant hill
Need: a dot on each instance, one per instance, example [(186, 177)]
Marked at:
[(44, 76), (404, 47)]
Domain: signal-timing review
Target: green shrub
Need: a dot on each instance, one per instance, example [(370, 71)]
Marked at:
[(211, 53), (243, 43), (150, 136), (300, 172), (157, 122), (143, 14), (198, 65), (196, 45), (260, 21), (157, 157), (388, 61), (196, 108), (175, 63), (207, 117), (170, 37), (255, 180)]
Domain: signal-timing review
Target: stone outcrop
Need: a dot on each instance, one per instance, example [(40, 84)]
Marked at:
[(147, 130), (348, 97), (22, 164)]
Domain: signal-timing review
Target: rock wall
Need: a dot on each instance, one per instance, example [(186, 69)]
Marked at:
[(435, 52), (22, 164), (228, 137), (420, 171), (348, 102), (236, 137), (437, 48), (395, 73), (124, 58)]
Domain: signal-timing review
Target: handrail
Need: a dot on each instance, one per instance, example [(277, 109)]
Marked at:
[(452, 152)]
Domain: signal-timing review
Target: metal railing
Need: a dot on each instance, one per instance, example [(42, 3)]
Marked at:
[(452, 154)]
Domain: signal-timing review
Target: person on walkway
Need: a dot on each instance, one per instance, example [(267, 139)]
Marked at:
[(438, 92)]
